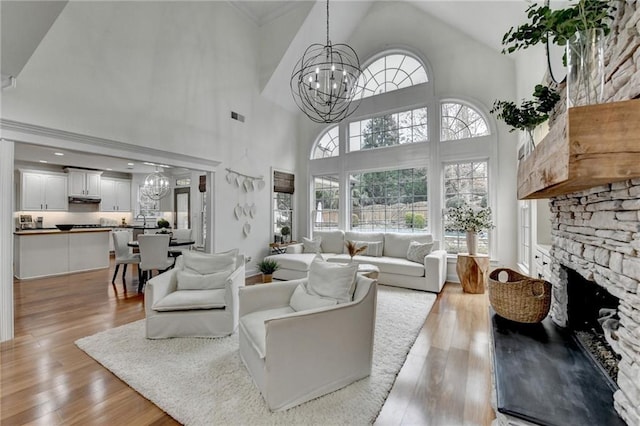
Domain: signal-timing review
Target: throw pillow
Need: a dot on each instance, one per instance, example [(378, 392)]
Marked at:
[(311, 246), (374, 248), (333, 280), (301, 300), (417, 251), (209, 263), (190, 280)]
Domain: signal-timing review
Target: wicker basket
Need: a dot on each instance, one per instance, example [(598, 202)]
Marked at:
[(520, 298)]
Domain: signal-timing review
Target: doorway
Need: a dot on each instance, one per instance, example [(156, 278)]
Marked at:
[(182, 208)]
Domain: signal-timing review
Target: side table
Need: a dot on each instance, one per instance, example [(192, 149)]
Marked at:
[(368, 270), (473, 271)]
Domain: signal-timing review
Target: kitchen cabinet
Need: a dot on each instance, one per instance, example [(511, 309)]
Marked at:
[(43, 191), (83, 183), (116, 195), (47, 253)]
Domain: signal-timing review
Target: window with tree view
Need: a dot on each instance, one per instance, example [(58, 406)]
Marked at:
[(461, 122), (326, 202), (391, 200), (465, 182), (389, 130), (327, 146)]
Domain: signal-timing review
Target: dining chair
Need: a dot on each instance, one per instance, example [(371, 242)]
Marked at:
[(181, 234), (154, 249), (124, 255)]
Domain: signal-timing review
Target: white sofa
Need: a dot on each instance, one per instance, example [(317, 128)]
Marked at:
[(395, 268), (294, 357)]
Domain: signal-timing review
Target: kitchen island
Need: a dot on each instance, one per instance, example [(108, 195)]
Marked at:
[(47, 252)]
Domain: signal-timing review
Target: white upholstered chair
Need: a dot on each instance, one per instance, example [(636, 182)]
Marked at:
[(295, 356), (124, 255), (154, 254), (181, 303)]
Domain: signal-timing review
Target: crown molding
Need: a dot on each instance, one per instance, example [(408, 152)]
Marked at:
[(31, 133)]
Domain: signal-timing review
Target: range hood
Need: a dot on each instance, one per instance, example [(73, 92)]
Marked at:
[(84, 200)]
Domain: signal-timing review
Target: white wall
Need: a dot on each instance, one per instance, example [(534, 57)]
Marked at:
[(164, 75), (462, 68)]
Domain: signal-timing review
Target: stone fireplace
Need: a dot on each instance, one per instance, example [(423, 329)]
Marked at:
[(596, 233)]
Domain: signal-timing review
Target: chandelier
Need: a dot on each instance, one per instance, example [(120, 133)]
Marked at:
[(156, 186), (325, 81)]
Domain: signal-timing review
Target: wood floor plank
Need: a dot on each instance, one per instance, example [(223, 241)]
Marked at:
[(46, 380)]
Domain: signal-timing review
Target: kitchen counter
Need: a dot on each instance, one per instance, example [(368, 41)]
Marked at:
[(44, 231)]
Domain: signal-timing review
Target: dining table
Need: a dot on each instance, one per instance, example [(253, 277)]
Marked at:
[(173, 242)]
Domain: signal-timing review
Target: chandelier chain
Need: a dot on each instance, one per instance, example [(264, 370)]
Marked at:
[(328, 42)]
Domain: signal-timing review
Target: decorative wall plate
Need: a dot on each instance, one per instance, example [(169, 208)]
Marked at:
[(238, 180), (246, 209), (259, 184), (253, 210), (237, 211), (247, 185), (230, 178), (246, 229)]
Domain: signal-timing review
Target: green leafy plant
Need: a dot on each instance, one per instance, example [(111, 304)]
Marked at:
[(268, 266), (414, 220), (530, 113), (469, 219), (285, 231), (163, 223), (559, 25)]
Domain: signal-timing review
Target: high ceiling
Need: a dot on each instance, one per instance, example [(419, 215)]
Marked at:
[(26, 23)]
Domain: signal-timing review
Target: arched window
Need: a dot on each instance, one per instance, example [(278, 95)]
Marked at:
[(327, 145), (461, 122), (393, 72)]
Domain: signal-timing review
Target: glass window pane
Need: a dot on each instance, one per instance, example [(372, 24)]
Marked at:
[(327, 145), (392, 200), (461, 122), (326, 202), (392, 72), (465, 183), (390, 130)]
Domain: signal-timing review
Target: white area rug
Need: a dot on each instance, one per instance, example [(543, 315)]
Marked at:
[(203, 381)]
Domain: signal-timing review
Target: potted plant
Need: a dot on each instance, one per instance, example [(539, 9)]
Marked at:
[(285, 231), (268, 267), (164, 226), (465, 218), (530, 113)]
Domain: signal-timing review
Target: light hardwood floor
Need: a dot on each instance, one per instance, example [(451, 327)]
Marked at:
[(45, 379)]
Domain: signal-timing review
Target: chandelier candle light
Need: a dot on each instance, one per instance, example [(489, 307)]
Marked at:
[(327, 81), (156, 186)]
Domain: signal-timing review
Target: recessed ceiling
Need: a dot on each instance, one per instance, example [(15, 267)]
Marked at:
[(47, 155)]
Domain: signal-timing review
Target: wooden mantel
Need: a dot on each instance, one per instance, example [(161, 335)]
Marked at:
[(600, 144)]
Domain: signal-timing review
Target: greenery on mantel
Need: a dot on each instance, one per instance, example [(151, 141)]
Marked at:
[(559, 25), (530, 113)]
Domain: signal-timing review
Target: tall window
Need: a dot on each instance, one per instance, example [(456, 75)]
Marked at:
[(326, 202), (393, 72), (389, 130), (283, 188), (525, 233), (465, 183), (391, 200), (461, 122), (327, 145)]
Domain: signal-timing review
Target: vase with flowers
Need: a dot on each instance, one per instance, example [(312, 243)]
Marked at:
[(471, 220)]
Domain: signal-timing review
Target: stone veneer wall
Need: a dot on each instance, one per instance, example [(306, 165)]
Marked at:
[(597, 232)]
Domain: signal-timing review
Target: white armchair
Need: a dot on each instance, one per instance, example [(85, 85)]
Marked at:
[(294, 357), (174, 312)]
